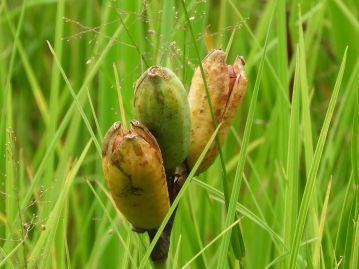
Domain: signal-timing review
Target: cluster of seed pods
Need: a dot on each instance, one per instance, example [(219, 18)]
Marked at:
[(171, 130)]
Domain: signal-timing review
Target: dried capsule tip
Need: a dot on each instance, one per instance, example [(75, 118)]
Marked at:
[(155, 71)]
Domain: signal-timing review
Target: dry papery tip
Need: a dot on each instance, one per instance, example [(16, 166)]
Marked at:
[(241, 58), (116, 125), (157, 71), (214, 51)]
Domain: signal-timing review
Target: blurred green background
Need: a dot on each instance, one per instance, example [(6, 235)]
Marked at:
[(298, 201)]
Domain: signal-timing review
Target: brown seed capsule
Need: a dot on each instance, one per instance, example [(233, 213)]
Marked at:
[(226, 86), (133, 168)]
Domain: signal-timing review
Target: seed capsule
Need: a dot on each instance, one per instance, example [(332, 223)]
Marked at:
[(161, 105), (226, 86), (134, 172)]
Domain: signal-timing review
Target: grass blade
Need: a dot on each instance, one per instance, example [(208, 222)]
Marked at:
[(237, 239), (302, 216), (240, 167), (43, 245), (291, 188), (77, 102), (177, 200)]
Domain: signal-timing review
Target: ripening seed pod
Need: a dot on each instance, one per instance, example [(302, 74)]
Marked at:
[(134, 172), (161, 105), (226, 86)]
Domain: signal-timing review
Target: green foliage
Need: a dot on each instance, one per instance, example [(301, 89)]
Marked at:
[(294, 141)]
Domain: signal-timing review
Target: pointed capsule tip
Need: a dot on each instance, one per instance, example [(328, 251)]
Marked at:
[(215, 53), (116, 125), (241, 58), (158, 71)]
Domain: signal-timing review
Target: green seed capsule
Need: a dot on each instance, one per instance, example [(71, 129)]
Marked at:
[(161, 105)]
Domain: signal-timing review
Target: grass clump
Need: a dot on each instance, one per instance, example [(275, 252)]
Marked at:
[(290, 160)]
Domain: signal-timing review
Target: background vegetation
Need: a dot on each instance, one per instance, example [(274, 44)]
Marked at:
[(298, 198)]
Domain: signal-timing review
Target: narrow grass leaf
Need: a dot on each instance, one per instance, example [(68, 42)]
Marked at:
[(35, 86), (282, 89), (307, 195), (120, 98), (318, 243), (66, 120), (128, 252), (240, 167), (348, 13), (306, 118), (291, 187), (244, 211), (177, 199), (77, 102), (5, 259), (286, 253), (175, 263), (43, 245), (211, 243), (237, 239), (354, 258), (94, 115)]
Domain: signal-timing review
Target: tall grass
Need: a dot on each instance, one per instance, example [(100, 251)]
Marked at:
[(290, 162)]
